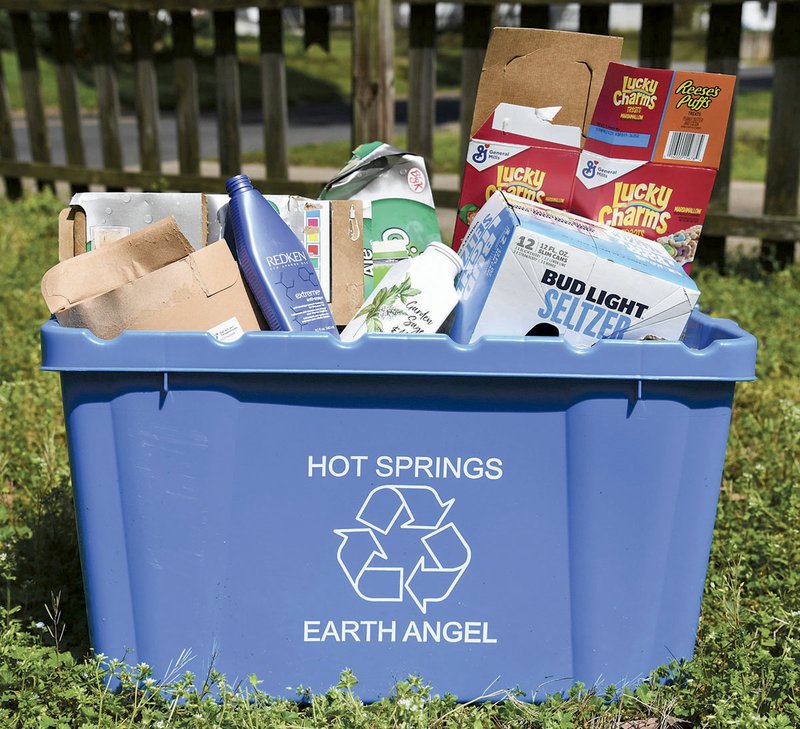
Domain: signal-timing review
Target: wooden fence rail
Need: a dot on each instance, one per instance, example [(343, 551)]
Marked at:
[(372, 93)]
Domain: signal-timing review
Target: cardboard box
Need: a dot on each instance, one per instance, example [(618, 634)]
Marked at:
[(332, 229), (152, 280), (521, 151), (652, 152), (541, 68), (531, 269), (399, 214)]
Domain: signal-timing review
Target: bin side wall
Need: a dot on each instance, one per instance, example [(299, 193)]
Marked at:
[(535, 530), (643, 487)]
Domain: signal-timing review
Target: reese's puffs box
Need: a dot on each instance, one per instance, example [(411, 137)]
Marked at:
[(652, 152), (519, 150)]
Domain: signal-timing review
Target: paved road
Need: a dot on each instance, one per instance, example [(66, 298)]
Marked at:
[(306, 125), (301, 132)]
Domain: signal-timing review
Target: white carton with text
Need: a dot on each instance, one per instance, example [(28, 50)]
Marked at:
[(531, 269)]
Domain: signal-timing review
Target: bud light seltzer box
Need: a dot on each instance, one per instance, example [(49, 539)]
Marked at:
[(520, 151), (652, 152), (532, 269)]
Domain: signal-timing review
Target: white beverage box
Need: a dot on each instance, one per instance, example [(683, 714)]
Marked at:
[(529, 268)]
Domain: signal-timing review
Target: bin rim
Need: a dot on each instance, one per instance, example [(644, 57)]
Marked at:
[(723, 352)]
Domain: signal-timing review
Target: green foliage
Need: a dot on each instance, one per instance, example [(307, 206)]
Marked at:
[(745, 671)]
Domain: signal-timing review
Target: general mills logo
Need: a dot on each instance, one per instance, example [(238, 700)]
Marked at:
[(480, 154), (590, 169), (403, 547)]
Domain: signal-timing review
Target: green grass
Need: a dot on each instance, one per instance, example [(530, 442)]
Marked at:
[(746, 670), (750, 155)]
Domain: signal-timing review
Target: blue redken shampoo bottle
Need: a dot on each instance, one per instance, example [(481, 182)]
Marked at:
[(275, 264)]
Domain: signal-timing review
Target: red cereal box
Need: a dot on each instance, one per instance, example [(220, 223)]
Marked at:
[(652, 152), (518, 150)]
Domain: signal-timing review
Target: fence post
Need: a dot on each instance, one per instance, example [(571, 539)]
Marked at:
[(373, 71), (187, 105), (722, 56), (422, 81), (477, 29), (783, 156), (655, 42), (594, 19), (141, 32), (229, 106), (274, 103), (107, 92), (7, 147), (25, 42), (317, 27), (64, 57), (534, 16)]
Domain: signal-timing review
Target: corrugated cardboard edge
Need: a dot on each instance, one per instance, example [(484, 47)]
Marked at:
[(509, 44), (204, 221), (71, 232), (347, 260)]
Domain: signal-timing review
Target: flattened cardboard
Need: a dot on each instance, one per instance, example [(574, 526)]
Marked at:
[(539, 68), (197, 293), (347, 259), (151, 280)]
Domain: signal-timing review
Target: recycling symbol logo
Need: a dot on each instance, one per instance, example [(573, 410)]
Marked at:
[(405, 548)]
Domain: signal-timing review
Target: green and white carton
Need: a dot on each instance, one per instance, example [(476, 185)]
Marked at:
[(399, 214)]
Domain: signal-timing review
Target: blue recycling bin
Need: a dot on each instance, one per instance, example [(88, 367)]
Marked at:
[(514, 513)]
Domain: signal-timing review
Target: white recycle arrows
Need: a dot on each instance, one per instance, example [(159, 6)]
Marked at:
[(444, 553)]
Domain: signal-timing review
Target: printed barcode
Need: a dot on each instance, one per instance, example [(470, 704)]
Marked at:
[(686, 145)]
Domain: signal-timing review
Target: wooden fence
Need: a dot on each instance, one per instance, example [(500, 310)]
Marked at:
[(372, 95)]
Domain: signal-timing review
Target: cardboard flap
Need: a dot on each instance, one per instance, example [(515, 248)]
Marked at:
[(84, 277), (71, 233), (533, 67), (532, 76), (212, 268), (516, 124)]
